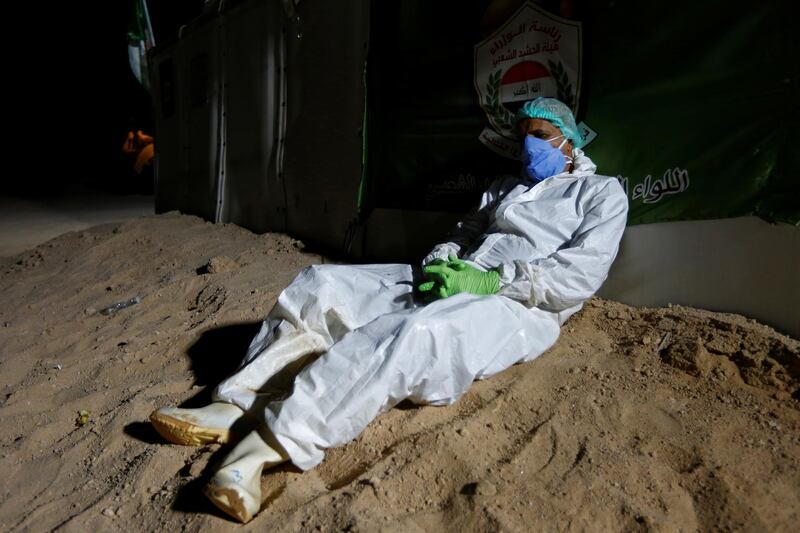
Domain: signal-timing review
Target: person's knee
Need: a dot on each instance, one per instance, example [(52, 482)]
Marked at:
[(313, 271), (423, 324), (324, 273), (313, 277)]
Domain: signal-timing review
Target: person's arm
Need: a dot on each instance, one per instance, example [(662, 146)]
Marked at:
[(469, 228), (574, 273)]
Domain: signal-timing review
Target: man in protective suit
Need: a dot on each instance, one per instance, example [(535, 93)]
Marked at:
[(510, 274)]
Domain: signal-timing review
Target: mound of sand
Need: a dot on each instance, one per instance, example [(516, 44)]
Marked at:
[(670, 418)]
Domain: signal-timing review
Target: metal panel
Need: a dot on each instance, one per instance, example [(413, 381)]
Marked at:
[(201, 104), (170, 168), (188, 111), (326, 56), (253, 193), (223, 157)]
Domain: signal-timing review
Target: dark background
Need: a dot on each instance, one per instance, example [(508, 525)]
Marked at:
[(71, 97)]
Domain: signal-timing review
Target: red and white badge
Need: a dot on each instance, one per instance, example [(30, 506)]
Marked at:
[(535, 53)]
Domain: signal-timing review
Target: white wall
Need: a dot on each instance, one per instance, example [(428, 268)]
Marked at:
[(739, 265)]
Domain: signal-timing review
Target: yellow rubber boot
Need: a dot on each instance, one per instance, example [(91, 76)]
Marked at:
[(195, 427), (236, 487)]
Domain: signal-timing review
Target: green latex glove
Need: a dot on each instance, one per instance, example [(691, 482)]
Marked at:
[(431, 289), (455, 276)]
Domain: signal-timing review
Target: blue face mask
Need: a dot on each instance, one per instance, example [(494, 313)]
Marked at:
[(541, 160)]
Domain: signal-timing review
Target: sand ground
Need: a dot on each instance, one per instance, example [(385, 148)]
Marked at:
[(672, 419)]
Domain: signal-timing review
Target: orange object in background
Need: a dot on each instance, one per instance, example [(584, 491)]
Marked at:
[(144, 158), (141, 146)]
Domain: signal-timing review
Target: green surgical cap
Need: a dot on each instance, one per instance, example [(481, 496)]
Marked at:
[(553, 111)]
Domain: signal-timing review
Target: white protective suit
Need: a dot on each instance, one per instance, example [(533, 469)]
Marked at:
[(553, 244)]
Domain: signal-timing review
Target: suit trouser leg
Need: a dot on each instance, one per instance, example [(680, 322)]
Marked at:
[(321, 305), (428, 354)]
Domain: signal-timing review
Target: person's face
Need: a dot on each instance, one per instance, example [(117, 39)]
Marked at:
[(543, 129)]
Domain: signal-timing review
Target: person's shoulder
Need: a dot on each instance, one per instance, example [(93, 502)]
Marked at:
[(599, 182), (599, 179)]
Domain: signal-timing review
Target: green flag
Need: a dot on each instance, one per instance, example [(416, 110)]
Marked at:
[(140, 40)]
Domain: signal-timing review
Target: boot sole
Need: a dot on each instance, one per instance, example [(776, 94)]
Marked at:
[(229, 502), (178, 431)]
